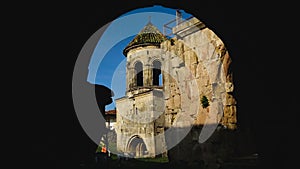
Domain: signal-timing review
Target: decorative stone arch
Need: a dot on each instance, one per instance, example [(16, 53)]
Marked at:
[(134, 62), (136, 146), (154, 58), (138, 73)]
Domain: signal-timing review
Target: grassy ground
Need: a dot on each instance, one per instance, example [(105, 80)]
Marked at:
[(159, 163), (144, 163), (154, 160)]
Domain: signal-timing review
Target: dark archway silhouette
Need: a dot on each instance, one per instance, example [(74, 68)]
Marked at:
[(103, 97)]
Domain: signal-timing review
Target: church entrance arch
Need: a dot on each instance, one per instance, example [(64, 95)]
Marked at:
[(136, 146)]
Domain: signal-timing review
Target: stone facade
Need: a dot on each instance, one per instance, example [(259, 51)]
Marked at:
[(194, 64), (205, 56), (140, 119), (140, 116)]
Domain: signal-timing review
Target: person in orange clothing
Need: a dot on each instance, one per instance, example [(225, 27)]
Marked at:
[(103, 150)]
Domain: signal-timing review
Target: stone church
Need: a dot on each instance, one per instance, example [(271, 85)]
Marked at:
[(174, 87)]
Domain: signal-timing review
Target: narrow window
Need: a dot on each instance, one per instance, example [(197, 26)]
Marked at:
[(157, 75), (160, 79), (139, 73)]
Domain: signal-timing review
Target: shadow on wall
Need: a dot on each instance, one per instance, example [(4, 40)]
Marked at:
[(223, 148)]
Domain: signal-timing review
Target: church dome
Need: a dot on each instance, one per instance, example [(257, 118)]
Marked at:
[(148, 36)]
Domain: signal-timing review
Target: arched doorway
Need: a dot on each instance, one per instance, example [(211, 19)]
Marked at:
[(137, 147)]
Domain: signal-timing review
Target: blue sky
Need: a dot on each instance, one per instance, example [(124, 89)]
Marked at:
[(107, 64)]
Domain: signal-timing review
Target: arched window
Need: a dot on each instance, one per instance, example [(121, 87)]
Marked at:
[(157, 75), (139, 73)]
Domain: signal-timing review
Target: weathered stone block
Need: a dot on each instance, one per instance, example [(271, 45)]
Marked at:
[(229, 87)]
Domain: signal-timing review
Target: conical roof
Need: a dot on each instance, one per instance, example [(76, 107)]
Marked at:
[(148, 36)]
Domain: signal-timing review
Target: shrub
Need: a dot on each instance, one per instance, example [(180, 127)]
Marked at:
[(204, 102)]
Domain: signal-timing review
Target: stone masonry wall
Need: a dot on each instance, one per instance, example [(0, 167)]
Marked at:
[(200, 51), (208, 61)]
